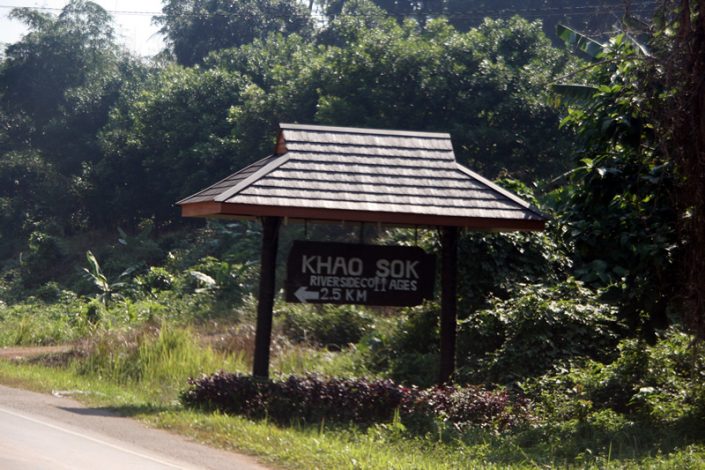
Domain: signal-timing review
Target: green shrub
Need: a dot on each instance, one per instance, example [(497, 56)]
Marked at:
[(513, 339), (413, 368), (227, 282), (140, 249), (492, 264), (49, 292), (315, 399), (163, 305), (36, 323), (43, 261), (156, 279), (331, 326), (408, 350), (663, 382), (534, 330)]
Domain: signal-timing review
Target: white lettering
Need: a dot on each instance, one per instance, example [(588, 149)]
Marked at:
[(397, 268), (340, 265), (382, 268), (355, 266), (306, 264), (324, 265), (411, 268)]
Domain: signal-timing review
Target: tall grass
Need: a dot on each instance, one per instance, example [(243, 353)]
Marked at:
[(141, 369), (39, 324), (288, 357), (35, 323), (160, 358), (300, 360)]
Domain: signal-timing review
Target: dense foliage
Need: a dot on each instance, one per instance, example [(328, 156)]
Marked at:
[(537, 328), (623, 185), (57, 85), (586, 318), (651, 383), (195, 28), (118, 140), (464, 14), (329, 326)]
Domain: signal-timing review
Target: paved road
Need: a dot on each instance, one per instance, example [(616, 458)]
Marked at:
[(52, 432)]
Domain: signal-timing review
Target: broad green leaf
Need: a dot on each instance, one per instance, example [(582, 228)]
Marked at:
[(575, 93), (128, 271), (584, 43), (204, 278), (93, 262), (639, 46)]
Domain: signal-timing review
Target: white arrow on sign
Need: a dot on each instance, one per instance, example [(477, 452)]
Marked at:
[(303, 295)]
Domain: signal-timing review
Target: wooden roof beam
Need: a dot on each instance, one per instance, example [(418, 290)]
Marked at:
[(248, 211)]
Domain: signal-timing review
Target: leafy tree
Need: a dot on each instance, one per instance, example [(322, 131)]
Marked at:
[(376, 73), (466, 14), (284, 76), (57, 84), (58, 81), (31, 196), (350, 18), (486, 87), (619, 210), (194, 28), (165, 140), (186, 126)]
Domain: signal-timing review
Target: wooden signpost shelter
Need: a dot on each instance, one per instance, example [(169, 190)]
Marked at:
[(396, 178)]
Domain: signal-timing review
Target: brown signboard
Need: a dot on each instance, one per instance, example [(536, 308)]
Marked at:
[(341, 273)]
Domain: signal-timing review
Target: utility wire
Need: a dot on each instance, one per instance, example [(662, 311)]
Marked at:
[(593, 9)]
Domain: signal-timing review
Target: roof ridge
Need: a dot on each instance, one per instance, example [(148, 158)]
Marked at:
[(508, 194), (364, 131), (222, 180), (275, 163)]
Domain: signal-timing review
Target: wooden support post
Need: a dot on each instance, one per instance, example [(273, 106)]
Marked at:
[(449, 301), (265, 304)]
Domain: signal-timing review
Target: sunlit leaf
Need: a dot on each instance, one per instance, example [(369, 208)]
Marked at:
[(204, 278), (584, 43)]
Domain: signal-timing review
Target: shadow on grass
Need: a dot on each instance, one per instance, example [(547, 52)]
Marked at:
[(563, 444), (125, 411), (576, 442)]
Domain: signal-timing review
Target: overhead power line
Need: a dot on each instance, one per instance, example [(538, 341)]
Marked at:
[(582, 10), (114, 12)]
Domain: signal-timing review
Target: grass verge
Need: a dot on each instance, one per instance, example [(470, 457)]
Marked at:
[(140, 375), (288, 447)]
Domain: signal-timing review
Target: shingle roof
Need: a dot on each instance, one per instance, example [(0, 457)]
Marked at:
[(338, 173)]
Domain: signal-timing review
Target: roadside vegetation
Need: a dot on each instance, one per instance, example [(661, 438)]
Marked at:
[(643, 409), (578, 346)]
